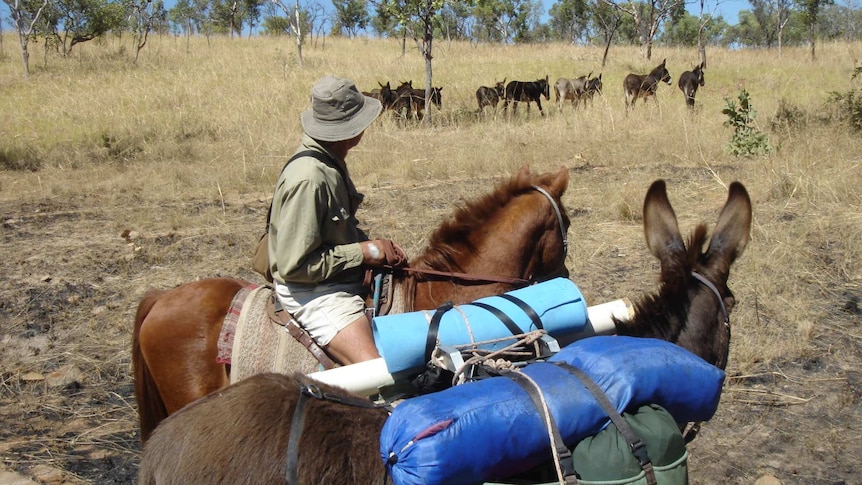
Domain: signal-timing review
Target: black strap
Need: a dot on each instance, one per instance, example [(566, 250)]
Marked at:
[(291, 466), (560, 449), (433, 327), (637, 446), (534, 317), (322, 157), (508, 322)]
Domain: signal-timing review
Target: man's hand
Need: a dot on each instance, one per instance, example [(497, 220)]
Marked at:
[(383, 252)]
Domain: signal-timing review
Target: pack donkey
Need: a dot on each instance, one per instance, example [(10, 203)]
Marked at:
[(527, 91), (689, 81), (645, 85), (490, 96)]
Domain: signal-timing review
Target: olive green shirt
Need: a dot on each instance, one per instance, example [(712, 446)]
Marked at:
[(313, 234)]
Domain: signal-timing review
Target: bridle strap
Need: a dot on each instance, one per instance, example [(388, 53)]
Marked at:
[(708, 284), (560, 222), (464, 277), (296, 425), (461, 276)]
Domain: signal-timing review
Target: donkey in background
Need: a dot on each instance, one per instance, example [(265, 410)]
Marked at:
[(689, 81), (645, 85)]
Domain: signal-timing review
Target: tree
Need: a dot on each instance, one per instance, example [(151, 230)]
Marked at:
[(648, 15), (569, 19), (607, 20), (24, 17), (72, 22), (183, 14), (423, 12), (351, 16), (145, 15), (810, 12)]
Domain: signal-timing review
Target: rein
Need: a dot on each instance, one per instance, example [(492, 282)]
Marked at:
[(291, 466), (495, 279)]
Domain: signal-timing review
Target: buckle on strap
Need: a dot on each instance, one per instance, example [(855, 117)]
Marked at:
[(639, 450)]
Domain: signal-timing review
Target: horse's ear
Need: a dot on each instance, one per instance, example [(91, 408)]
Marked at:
[(733, 229), (560, 183), (660, 227), (665, 60)]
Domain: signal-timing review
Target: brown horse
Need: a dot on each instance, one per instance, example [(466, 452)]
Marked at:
[(645, 85), (511, 236), (242, 434)]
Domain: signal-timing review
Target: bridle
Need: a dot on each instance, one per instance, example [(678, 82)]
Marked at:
[(480, 279), (708, 284)]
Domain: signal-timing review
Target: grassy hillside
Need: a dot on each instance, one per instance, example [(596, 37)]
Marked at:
[(169, 145)]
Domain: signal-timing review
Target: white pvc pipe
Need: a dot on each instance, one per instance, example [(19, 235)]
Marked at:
[(366, 378)]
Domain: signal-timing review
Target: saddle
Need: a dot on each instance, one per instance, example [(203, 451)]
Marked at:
[(383, 294)]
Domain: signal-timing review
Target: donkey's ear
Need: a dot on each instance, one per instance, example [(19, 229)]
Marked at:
[(660, 227), (733, 229)]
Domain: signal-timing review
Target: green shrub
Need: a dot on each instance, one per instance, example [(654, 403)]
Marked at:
[(847, 107), (747, 138)]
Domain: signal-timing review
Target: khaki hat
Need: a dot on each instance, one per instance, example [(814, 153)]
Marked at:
[(338, 110)]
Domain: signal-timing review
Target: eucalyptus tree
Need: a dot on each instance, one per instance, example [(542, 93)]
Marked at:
[(810, 18), (72, 22), (570, 20), (423, 13), (764, 11), (503, 20), (351, 16), (145, 15), (649, 15), (25, 14)]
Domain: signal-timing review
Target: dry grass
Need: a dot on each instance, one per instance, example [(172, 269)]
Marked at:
[(184, 147)]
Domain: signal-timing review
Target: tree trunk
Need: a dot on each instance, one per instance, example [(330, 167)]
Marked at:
[(25, 54), (298, 32), (429, 37)]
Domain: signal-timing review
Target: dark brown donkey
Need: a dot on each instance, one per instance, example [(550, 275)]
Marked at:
[(241, 434), (689, 81), (644, 85)]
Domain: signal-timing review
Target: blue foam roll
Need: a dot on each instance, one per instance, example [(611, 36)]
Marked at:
[(401, 338)]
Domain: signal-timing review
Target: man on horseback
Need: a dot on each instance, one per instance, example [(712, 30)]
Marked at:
[(316, 249)]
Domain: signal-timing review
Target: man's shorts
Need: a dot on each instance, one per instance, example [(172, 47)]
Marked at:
[(322, 311)]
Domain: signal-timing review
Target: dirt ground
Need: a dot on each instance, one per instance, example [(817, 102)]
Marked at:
[(74, 269)]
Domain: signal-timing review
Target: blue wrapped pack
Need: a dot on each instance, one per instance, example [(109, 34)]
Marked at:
[(490, 429), (400, 338)]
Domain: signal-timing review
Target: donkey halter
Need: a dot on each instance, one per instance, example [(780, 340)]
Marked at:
[(708, 284)]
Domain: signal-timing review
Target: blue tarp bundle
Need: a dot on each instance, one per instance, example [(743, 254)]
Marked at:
[(401, 338), (490, 429)]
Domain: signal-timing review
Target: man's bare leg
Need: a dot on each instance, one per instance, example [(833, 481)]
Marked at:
[(355, 343)]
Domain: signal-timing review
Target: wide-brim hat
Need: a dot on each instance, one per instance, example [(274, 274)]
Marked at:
[(338, 110)]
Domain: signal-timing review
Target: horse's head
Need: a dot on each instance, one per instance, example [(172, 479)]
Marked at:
[(693, 304), (546, 87), (514, 235), (660, 73), (547, 259)]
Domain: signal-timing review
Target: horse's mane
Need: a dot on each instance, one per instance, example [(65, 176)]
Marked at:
[(449, 240), (663, 314)]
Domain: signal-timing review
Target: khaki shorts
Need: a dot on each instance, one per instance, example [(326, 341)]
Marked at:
[(322, 311)]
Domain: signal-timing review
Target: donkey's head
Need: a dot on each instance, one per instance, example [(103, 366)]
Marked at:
[(693, 304)]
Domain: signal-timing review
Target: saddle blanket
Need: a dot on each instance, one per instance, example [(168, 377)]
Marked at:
[(256, 344), (490, 429)]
